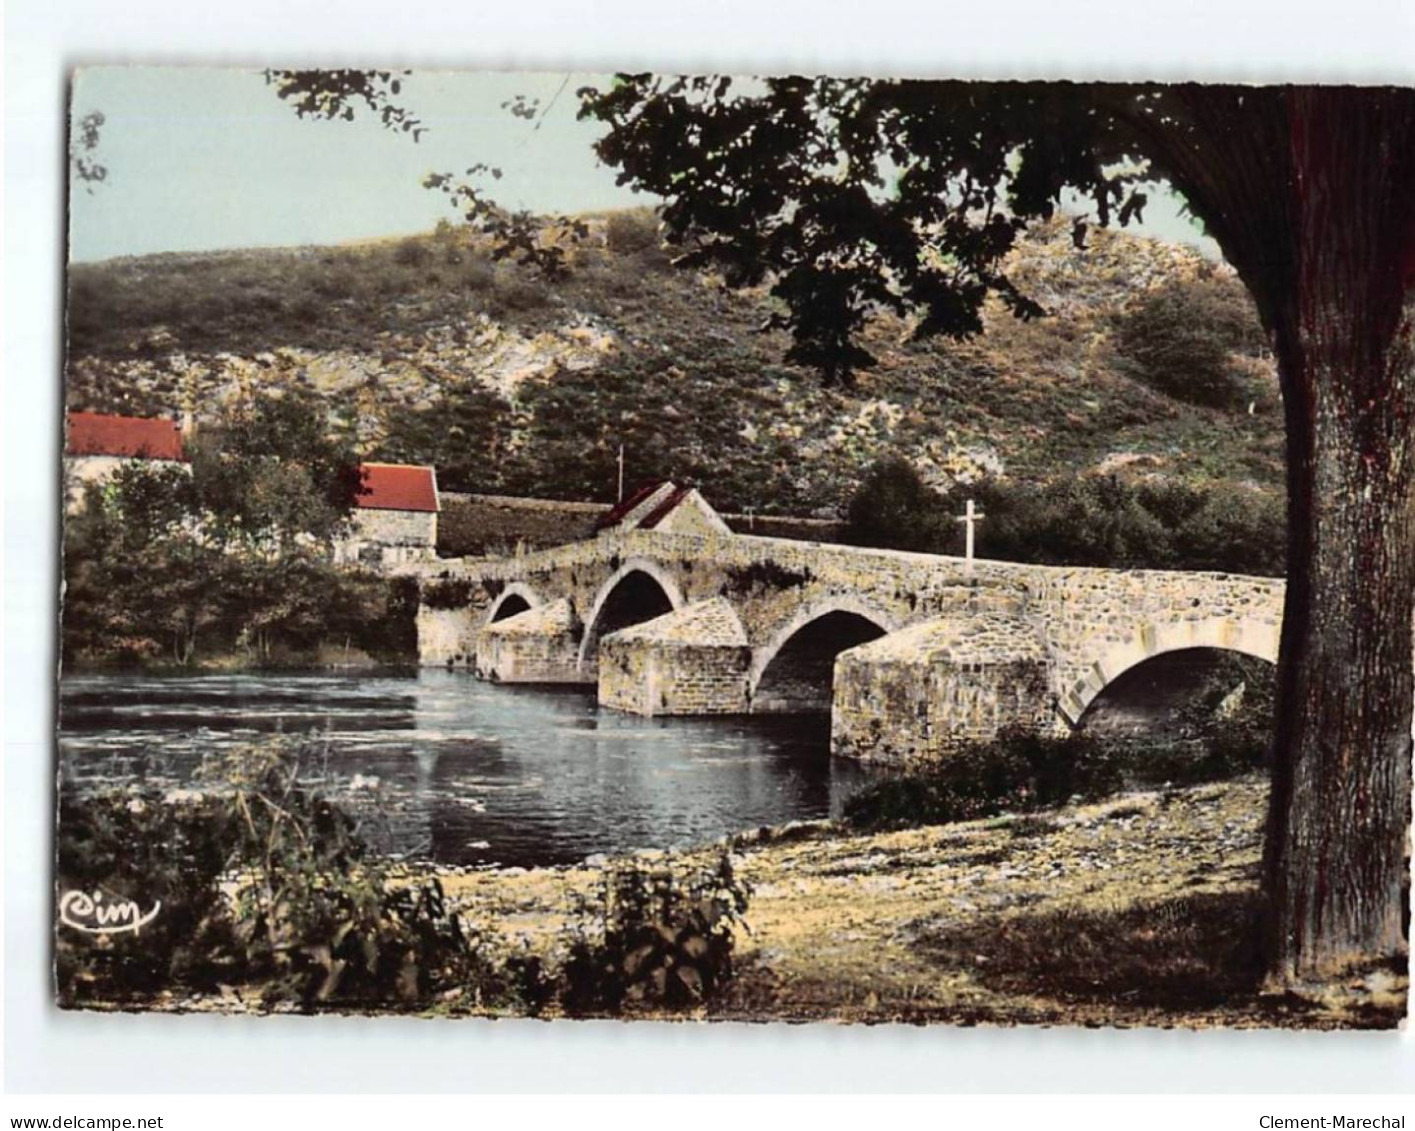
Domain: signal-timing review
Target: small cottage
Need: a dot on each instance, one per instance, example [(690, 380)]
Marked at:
[(395, 515), (666, 507), (97, 444)]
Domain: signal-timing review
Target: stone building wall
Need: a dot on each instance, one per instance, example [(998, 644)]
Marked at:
[(693, 515), (395, 528), (382, 537), (80, 471)]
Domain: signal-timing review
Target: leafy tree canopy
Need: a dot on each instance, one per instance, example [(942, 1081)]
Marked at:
[(271, 471), (856, 195)]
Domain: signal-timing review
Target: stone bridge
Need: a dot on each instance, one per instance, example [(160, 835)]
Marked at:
[(913, 654)]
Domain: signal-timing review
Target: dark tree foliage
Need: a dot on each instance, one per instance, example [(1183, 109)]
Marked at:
[(1094, 520), (894, 508), (851, 196), (84, 136), (465, 438), (163, 563)]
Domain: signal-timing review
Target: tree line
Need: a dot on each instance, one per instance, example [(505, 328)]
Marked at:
[(231, 555), (1084, 520)]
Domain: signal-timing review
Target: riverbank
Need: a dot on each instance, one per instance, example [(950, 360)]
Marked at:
[(326, 659), (1138, 911)]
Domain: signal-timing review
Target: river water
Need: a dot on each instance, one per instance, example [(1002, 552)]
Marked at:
[(451, 769)]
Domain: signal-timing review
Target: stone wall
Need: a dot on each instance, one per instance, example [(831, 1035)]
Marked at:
[(501, 525), (1100, 622), (785, 526), (693, 661), (446, 637), (1090, 625), (771, 583), (923, 693), (643, 678), (481, 526), (540, 645)]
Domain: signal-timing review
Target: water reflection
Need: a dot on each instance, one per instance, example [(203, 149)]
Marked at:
[(460, 771)]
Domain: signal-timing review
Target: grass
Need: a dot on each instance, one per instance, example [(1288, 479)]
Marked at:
[(1193, 952)]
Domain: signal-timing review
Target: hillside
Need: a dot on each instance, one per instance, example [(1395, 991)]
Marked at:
[(429, 350)]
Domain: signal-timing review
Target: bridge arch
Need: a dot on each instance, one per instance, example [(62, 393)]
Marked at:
[(515, 598), (637, 591), (794, 669), (1251, 637)]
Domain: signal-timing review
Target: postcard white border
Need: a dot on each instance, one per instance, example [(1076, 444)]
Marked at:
[(1306, 40)]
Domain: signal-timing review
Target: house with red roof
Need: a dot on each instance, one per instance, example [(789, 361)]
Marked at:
[(96, 444), (665, 506), (395, 515)]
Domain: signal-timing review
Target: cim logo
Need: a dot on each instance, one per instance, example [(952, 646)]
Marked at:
[(95, 916)]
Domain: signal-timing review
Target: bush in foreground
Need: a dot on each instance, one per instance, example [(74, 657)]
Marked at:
[(261, 880), (266, 883), (1015, 773), (654, 939), (1021, 772)]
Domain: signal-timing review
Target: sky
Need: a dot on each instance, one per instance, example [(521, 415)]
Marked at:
[(204, 159)]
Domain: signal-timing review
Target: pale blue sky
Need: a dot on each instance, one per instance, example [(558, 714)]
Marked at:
[(202, 159)]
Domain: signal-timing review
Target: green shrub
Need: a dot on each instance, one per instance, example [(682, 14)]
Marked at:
[(264, 882), (1091, 520), (131, 845), (308, 914), (1016, 772), (654, 938), (1180, 339), (894, 508)]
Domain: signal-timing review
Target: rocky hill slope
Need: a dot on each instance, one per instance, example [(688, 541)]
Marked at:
[(427, 349)]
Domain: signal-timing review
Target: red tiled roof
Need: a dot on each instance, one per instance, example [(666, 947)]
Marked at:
[(398, 487), (99, 434), (664, 509), (616, 513)]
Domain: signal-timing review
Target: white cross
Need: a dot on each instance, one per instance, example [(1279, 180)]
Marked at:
[(970, 518)]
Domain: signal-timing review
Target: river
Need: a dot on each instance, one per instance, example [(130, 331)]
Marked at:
[(459, 771)]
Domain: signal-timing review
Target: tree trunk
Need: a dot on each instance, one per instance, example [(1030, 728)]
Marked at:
[(1335, 866), (1341, 786)]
